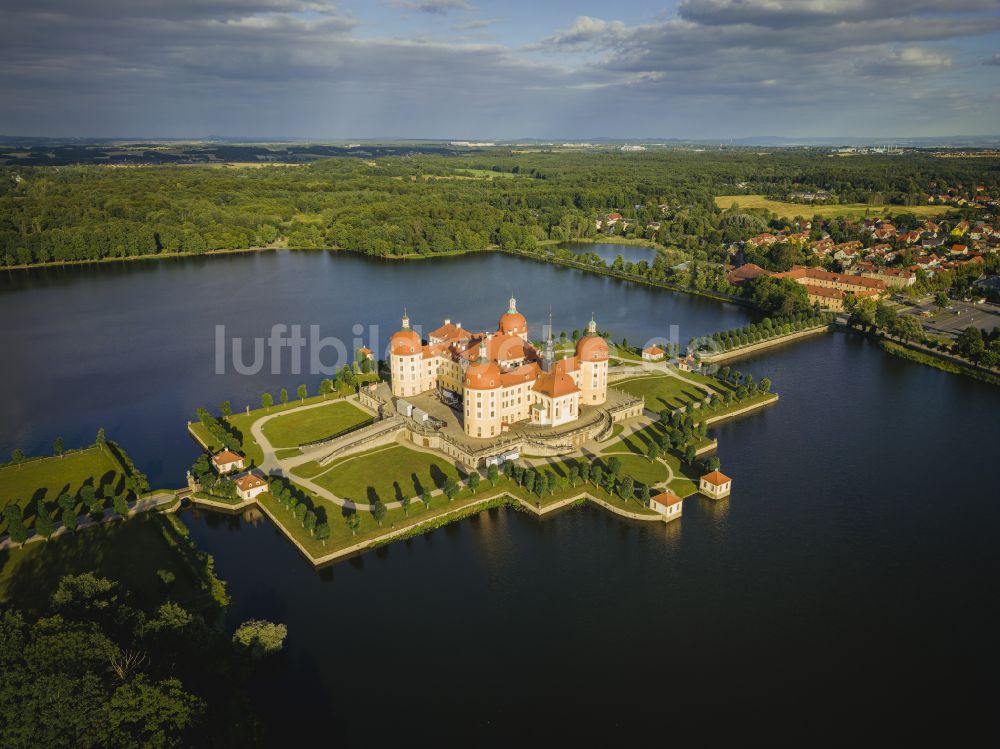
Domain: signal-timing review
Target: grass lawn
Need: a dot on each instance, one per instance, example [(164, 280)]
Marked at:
[(630, 450), (314, 424), (662, 391), (47, 478), (640, 468), (130, 552), (388, 473), (791, 210), (440, 509), (243, 420)]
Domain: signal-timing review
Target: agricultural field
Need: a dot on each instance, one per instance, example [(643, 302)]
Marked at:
[(847, 210)]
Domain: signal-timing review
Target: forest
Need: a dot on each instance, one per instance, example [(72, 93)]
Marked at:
[(424, 204)]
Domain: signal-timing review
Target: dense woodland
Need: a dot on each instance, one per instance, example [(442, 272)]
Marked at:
[(425, 204)]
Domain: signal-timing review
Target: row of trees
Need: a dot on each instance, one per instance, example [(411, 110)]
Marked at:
[(312, 517), (760, 331)]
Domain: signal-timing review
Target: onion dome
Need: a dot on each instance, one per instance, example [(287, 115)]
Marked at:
[(592, 347), (512, 321), (405, 342)]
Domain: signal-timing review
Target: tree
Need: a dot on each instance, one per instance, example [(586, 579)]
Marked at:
[(44, 525), (712, 464), (574, 474), (653, 452), (765, 385), (644, 495), (614, 465), (309, 521), (353, 522), (267, 400), (101, 439), (492, 473), (283, 396), (689, 454), (15, 523), (260, 637), (59, 446), (226, 409), (425, 497), (970, 343), (379, 511), (940, 300), (18, 456), (404, 502), (69, 519), (627, 488), (474, 479), (302, 391), (596, 474), (322, 532), (121, 504), (550, 482), (451, 489)]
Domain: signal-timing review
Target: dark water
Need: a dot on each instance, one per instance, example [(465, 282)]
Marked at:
[(609, 251), (132, 347), (843, 591)]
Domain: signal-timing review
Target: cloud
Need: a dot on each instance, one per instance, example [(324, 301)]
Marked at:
[(585, 31), (436, 7), (476, 24), (906, 61), (796, 13), (995, 60), (271, 67)]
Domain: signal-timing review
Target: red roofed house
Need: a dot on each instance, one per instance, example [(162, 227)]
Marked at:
[(226, 461), (667, 504), (746, 272), (250, 484), (715, 485), (653, 353)]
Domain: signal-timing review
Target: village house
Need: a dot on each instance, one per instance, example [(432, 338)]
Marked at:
[(687, 363), (893, 278), (745, 272), (653, 353), (250, 484), (227, 461), (715, 485), (667, 504), (829, 290)]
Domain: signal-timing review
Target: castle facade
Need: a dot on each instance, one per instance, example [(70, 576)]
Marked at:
[(500, 376)]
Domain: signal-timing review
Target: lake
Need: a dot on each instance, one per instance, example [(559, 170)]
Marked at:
[(843, 588), (131, 347), (608, 251)]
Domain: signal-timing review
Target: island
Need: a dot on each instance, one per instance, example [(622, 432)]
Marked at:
[(462, 421)]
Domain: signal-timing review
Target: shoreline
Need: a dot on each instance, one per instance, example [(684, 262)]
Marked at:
[(753, 348)]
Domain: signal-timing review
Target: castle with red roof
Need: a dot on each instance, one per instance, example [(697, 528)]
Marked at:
[(501, 377)]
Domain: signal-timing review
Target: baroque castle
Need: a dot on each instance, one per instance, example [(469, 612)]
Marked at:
[(501, 377)]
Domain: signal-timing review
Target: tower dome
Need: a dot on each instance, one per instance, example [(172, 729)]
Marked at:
[(512, 322), (405, 341), (592, 347)]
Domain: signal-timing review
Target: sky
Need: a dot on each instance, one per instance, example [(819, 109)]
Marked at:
[(482, 70)]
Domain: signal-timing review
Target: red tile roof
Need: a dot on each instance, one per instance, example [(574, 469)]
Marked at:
[(666, 498), (717, 478)]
